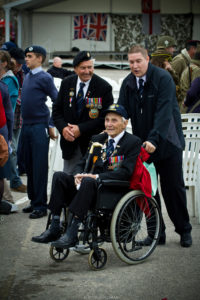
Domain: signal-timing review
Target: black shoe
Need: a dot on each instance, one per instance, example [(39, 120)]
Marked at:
[(36, 214), (70, 238), (148, 241), (65, 242), (46, 237), (186, 239), (27, 209)]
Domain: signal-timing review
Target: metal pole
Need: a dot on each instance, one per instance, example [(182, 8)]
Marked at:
[(7, 24), (19, 29)]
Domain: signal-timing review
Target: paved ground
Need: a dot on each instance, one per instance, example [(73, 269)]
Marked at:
[(27, 271)]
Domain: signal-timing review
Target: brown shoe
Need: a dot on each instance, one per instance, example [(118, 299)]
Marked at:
[(22, 188)]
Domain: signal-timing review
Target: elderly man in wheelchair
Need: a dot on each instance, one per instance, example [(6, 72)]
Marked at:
[(102, 178)]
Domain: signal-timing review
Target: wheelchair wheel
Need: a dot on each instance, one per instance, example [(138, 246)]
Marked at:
[(58, 254), (97, 259), (134, 217)]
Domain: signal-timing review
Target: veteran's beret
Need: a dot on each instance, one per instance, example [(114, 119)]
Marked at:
[(36, 49), (118, 109), (80, 57)]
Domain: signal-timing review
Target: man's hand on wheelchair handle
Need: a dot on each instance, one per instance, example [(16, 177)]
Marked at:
[(149, 147)]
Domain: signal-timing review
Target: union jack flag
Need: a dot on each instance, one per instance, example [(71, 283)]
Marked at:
[(80, 27), (98, 27)]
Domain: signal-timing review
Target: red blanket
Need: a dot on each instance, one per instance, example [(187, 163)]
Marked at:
[(141, 180)]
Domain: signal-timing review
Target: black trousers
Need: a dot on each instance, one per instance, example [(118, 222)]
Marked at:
[(64, 192), (173, 191)]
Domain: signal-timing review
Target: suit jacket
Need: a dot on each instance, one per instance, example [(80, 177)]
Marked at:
[(64, 112), (155, 118), (124, 157)]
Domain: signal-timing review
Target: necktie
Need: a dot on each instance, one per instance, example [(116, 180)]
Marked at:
[(141, 87), (80, 98), (110, 148)]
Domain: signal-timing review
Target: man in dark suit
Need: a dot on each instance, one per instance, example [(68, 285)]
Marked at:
[(115, 158), (148, 94), (78, 110), (56, 69)]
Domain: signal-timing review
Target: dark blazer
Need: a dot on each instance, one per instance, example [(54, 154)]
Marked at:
[(64, 112), (155, 118), (128, 147), (59, 72)]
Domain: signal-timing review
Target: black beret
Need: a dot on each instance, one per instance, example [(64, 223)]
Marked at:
[(80, 57), (36, 49), (118, 109), (18, 55), (192, 43)]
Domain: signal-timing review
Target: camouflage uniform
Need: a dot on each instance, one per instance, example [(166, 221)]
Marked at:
[(180, 62), (188, 75)]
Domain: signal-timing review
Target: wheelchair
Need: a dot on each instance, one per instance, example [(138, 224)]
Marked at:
[(120, 216)]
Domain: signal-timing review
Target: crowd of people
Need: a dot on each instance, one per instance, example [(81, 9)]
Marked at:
[(159, 87)]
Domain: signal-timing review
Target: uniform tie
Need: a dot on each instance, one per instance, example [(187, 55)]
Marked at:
[(141, 87), (80, 98), (110, 148)]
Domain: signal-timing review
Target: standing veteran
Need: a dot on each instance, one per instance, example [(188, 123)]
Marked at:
[(78, 110), (115, 160), (148, 94), (183, 59)]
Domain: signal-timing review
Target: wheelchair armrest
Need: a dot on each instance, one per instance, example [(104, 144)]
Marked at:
[(109, 182)]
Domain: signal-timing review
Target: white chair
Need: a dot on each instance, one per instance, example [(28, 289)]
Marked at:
[(191, 159)]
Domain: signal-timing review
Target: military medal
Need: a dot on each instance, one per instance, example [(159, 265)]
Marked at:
[(93, 113), (88, 102), (99, 103), (70, 102), (71, 94), (115, 162)]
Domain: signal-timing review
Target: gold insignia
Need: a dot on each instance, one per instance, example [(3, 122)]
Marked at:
[(88, 54)]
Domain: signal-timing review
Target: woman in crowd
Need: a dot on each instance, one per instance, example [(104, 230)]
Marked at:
[(6, 131), (8, 77)]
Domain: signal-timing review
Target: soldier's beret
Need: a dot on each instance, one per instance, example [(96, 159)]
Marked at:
[(36, 49), (194, 43), (80, 57), (118, 109)]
